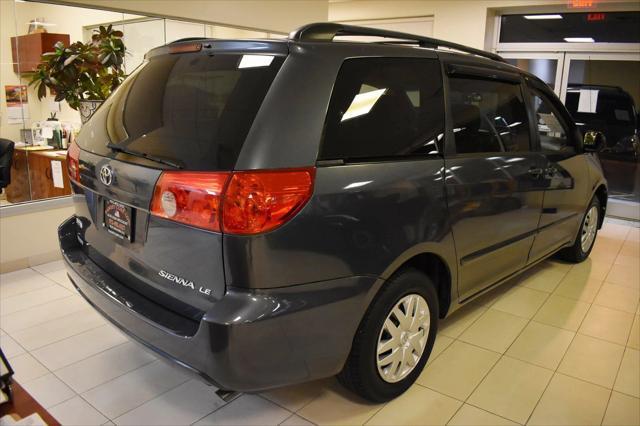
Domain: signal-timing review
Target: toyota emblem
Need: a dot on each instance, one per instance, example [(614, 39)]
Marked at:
[(106, 175)]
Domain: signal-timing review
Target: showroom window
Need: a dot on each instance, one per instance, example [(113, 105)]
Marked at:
[(488, 116), (590, 60), (385, 108)]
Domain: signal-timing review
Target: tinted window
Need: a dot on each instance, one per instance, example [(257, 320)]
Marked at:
[(551, 127), (191, 109), (488, 116), (601, 106), (385, 107)]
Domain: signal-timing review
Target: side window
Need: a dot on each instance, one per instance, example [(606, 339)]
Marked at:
[(551, 127), (488, 116), (385, 107)]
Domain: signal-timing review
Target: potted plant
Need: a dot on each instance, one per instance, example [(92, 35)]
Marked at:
[(82, 74)]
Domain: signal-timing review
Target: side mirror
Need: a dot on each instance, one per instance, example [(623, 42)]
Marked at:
[(593, 141)]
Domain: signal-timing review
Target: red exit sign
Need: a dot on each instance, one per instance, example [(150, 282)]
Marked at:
[(581, 4), (595, 17)]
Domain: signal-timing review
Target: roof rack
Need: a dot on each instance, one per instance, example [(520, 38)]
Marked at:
[(326, 31)]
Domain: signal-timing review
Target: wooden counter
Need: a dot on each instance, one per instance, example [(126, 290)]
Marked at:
[(32, 176)]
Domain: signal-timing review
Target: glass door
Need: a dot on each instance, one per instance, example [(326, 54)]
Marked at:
[(602, 92), (547, 66)]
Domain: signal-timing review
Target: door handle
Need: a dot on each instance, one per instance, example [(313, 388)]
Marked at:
[(536, 172)]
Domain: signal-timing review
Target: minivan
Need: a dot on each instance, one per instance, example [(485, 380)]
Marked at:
[(270, 212)]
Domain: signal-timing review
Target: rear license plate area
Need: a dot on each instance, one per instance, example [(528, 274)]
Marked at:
[(118, 220)]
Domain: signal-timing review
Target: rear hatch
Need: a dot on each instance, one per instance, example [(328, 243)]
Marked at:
[(186, 109)]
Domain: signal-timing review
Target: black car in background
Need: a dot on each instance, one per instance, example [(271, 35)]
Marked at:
[(269, 212), (613, 113)]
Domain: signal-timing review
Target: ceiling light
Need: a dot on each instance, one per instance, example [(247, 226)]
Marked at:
[(579, 40), (556, 16)]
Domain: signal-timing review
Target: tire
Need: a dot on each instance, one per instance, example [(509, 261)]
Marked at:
[(589, 226), (361, 373)]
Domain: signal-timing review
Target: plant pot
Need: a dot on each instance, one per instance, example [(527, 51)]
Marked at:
[(87, 108)]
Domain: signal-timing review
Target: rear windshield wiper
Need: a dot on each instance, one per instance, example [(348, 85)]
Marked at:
[(118, 148)]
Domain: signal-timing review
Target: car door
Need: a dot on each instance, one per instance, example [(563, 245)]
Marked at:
[(493, 175), (565, 171)]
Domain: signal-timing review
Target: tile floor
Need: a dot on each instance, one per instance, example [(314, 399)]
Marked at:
[(558, 346)]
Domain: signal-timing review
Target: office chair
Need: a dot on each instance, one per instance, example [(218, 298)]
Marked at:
[(6, 156)]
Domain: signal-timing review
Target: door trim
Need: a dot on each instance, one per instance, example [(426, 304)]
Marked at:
[(486, 250)]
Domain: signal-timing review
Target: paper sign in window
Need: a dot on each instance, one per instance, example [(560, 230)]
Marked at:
[(362, 104), (588, 100), (56, 174)]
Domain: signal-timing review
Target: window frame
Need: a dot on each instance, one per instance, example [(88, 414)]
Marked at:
[(389, 158), (481, 72), (541, 89)]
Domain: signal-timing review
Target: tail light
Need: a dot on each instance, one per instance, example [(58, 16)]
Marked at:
[(259, 201), (73, 162), (194, 198), (246, 202)]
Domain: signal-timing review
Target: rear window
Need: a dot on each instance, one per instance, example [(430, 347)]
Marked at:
[(385, 107), (191, 109)]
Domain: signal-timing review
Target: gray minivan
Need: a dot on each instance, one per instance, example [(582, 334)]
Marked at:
[(268, 212)]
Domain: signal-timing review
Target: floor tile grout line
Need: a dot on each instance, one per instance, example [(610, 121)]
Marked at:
[(111, 379), (280, 424), (148, 400), (560, 363), (53, 284), (33, 268), (497, 415), (47, 320), (81, 359), (475, 320), (615, 380), (502, 355), (60, 340), (38, 304), (53, 372), (275, 402), (224, 404)]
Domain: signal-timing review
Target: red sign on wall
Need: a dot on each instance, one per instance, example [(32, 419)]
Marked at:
[(581, 4), (595, 17)]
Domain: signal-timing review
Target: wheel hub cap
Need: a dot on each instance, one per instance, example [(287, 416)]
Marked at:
[(403, 338), (589, 229)]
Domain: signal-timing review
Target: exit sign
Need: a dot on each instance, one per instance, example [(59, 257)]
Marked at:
[(581, 4), (595, 17)]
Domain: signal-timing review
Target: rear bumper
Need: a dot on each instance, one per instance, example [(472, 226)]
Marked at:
[(249, 340)]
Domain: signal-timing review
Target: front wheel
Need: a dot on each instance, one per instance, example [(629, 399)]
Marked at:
[(586, 235), (395, 338)]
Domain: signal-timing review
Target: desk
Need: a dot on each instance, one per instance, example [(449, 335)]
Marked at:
[(31, 175)]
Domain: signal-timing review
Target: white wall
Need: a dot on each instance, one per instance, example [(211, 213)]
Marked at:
[(30, 239), (274, 15), (461, 21)]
